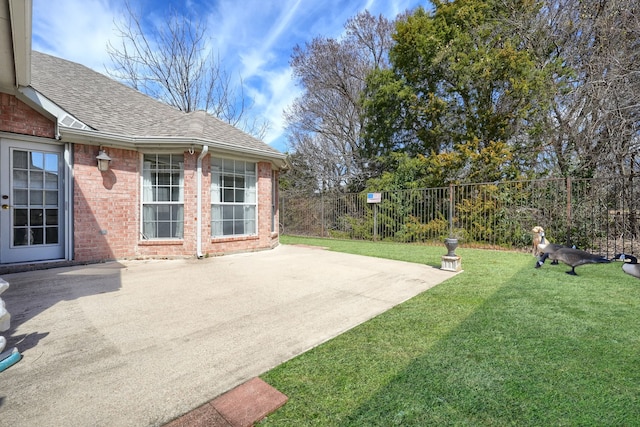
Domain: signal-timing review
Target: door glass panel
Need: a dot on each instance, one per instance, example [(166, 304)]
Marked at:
[(20, 159), (36, 178), (51, 163), (36, 217), (37, 235), (51, 181), (51, 198), (20, 197), (37, 160), (20, 179), (20, 217), (20, 237), (52, 217), (35, 198), (33, 172), (52, 235)]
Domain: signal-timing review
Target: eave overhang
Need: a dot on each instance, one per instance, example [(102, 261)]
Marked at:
[(166, 144), (21, 14)]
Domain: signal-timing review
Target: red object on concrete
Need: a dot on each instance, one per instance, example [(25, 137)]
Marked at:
[(242, 406)]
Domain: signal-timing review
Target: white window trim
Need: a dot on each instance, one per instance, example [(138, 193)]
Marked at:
[(256, 204), (143, 236)]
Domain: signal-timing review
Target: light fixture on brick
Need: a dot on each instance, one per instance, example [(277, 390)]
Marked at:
[(103, 161)]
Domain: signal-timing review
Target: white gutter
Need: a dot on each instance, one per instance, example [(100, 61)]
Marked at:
[(203, 153), (68, 200), (84, 136)]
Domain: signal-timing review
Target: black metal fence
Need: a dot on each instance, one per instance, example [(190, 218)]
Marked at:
[(599, 215)]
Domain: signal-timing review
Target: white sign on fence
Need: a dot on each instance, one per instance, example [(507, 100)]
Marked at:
[(374, 197)]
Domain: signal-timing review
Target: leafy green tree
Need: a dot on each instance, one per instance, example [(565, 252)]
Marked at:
[(463, 85), (406, 172)]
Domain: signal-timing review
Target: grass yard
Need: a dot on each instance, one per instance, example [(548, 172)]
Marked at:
[(500, 344)]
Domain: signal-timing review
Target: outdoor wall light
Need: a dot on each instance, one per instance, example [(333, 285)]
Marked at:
[(103, 161)]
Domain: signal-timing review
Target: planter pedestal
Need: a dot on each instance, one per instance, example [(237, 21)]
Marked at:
[(451, 261)]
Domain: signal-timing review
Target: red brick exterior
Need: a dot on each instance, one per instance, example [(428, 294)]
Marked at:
[(18, 117), (107, 205), (107, 210)]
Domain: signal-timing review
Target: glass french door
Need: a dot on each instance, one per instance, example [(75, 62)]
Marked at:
[(31, 198)]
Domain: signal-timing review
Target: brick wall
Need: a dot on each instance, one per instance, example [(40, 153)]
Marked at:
[(107, 210), (18, 117), (106, 205)]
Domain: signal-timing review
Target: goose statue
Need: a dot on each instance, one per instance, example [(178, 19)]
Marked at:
[(575, 258), (632, 267), (546, 249)]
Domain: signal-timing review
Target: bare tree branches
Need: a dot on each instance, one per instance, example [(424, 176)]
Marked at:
[(595, 124), (324, 123), (175, 64)]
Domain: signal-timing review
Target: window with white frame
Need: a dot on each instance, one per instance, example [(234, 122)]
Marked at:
[(233, 197), (163, 196)]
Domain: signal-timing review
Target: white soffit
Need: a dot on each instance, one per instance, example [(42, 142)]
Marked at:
[(7, 67), (64, 119), (21, 14)]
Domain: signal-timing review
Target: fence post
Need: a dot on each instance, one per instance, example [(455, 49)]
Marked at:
[(322, 214), (450, 210), (375, 222), (569, 195)]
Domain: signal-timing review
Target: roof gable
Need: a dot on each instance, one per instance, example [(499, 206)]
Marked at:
[(112, 107)]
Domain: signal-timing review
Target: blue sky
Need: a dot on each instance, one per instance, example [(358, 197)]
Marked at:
[(253, 38)]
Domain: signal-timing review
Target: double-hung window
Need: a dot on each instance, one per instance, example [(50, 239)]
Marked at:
[(163, 196), (233, 198)]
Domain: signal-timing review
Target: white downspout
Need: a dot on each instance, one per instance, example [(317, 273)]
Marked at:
[(203, 153), (68, 200)]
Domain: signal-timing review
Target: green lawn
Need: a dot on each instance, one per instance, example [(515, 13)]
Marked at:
[(500, 344)]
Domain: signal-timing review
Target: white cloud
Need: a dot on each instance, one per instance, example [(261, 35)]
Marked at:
[(286, 15), (77, 30), (278, 94), (253, 38)]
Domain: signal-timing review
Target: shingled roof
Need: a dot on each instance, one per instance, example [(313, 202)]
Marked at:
[(108, 106)]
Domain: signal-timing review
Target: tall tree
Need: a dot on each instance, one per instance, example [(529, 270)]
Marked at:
[(594, 126), (463, 86), (324, 123), (172, 62), (299, 180)]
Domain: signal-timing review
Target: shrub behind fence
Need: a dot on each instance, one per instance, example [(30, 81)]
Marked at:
[(598, 215)]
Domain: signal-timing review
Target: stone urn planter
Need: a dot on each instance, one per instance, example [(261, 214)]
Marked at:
[(451, 244)]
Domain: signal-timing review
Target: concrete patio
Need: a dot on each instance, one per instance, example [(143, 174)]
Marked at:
[(142, 343)]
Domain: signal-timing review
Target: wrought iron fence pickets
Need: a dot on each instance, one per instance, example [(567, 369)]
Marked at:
[(599, 214)]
